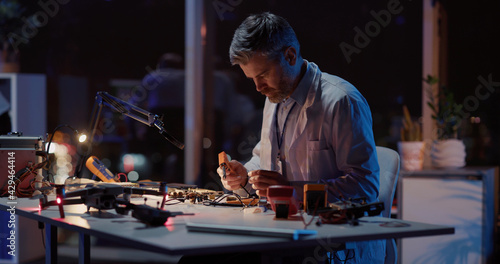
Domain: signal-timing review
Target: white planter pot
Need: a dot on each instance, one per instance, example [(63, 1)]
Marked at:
[(411, 154), (449, 153)]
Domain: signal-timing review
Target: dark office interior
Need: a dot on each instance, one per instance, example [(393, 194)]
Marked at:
[(83, 47)]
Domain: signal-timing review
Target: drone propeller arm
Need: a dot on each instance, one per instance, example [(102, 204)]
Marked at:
[(78, 193), (134, 190), (64, 202)]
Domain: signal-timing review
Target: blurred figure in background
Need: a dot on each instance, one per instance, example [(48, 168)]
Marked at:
[(165, 88)]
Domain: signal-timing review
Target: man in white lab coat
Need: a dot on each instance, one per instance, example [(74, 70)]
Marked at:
[(316, 126)]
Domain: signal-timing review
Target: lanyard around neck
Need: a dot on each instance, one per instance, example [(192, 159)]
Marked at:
[(279, 137)]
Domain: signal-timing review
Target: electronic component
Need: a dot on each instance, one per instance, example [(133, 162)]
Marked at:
[(314, 197), (349, 211), (23, 158), (282, 200), (245, 201), (194, 195), (99, 169)]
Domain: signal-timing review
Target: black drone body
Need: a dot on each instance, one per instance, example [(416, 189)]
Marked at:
[(105, 197), (152, 216), (101, 197)]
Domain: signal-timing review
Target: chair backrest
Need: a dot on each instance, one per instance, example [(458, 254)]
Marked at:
[(388, 161)]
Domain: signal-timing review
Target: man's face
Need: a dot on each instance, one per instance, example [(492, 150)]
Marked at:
[(271, 78)]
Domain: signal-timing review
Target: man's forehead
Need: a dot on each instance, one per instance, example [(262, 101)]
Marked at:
[(257, 65)]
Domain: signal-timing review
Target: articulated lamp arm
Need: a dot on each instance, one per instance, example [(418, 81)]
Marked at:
[(132, 111)]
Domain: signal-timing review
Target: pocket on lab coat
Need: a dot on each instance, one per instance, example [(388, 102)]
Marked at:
[(319, 160), (315, 145)]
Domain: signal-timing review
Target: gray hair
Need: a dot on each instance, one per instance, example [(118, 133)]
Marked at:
[(266, 33)]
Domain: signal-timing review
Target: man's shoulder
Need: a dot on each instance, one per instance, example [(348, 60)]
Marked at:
[(330, 80), (337, 87)]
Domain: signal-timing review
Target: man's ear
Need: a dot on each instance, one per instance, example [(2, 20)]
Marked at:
[(291, 55)]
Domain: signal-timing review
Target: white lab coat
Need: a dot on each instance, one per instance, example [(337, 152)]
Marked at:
[(332, 140)]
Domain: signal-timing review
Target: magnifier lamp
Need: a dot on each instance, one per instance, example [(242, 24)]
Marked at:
[(81, 137), (127, 109)]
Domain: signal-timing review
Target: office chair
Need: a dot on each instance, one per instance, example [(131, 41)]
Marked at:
[(388, 161)]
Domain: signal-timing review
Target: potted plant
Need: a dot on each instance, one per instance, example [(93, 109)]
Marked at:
[(447, 151), (411, 147), (10, 22)]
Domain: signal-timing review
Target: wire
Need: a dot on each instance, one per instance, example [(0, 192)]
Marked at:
[(169, 200), (241, 201), (249, 194), (53, 133), (332, 189), (333, 217), (124, 175), (314, 214), (239, 198), (330, 257), (24, 174), (346, 257), (218, 199), (41, 231), (44, 184), (26, 192), (215, 201)]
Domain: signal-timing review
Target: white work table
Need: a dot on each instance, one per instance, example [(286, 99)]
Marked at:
[(174, 239)]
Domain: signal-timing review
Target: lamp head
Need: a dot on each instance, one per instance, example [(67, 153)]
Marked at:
[(82, 137)]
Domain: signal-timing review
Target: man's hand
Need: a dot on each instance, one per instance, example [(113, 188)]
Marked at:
[(262, 179), (236, 176)]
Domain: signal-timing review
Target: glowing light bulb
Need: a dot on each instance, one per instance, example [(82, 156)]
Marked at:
[(82, 138)]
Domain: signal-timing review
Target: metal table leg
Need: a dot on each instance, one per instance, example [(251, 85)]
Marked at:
[(84, 249), (50, 244)]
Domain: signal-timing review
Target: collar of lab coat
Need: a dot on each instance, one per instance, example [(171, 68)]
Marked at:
[(310, 82)]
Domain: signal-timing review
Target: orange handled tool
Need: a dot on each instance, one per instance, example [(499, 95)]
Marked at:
[(224, 163), (99, 169)]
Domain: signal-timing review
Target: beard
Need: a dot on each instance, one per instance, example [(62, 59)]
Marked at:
[(285, 87)]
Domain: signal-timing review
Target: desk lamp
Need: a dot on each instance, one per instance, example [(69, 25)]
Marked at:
[(129, 110), (81, 137)]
